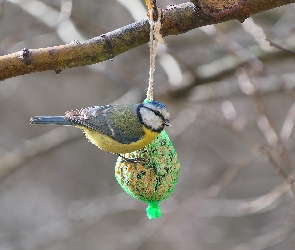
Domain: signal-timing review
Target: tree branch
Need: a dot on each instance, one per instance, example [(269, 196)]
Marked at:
[(177, 19)]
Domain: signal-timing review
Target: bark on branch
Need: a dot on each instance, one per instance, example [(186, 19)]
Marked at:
[(177, 19)]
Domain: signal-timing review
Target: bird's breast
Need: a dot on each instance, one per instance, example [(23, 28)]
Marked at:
[(111, 145)]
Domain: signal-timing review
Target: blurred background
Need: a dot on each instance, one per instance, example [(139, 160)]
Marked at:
[(231, 96)]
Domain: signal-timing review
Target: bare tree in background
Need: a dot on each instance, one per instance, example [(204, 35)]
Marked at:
[(229, 87)]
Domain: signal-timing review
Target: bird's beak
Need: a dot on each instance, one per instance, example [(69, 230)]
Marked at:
[(167, 123)]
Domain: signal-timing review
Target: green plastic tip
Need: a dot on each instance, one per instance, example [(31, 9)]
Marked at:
[(153, 211)]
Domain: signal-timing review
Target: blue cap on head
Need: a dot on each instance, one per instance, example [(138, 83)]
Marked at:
[(159, 104)]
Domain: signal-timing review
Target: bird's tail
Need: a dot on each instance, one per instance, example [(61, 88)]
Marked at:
[(59, 120)]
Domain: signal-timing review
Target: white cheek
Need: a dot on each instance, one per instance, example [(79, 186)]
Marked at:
[(166, 114), (162, 111), (150, 119)]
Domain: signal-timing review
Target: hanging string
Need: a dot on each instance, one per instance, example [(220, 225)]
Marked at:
[(155, 37)]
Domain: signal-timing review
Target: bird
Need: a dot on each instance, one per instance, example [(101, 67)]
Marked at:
[(117, 128)]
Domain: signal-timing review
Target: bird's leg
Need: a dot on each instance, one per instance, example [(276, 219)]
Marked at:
[(131, 160)]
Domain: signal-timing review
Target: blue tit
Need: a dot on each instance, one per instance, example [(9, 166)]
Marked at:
[(119, 128)]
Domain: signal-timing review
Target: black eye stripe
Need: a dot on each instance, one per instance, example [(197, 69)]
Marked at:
[(157, 113)]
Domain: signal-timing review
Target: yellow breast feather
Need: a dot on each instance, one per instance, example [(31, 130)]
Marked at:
[(106, 143)]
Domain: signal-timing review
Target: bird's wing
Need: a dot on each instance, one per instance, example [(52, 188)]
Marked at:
[(94, 118), (119, 122)]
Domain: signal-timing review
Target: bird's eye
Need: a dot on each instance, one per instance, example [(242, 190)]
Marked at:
[(157, 113)]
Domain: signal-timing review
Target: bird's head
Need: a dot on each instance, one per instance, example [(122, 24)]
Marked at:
[(154, 115)]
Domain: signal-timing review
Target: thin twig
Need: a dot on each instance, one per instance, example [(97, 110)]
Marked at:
[(279, 170), (222, 67), (43, 143), (278, 46), (244, 207), (269, 239)]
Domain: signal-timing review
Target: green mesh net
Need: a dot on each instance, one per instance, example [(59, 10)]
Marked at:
[(150, 174)]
